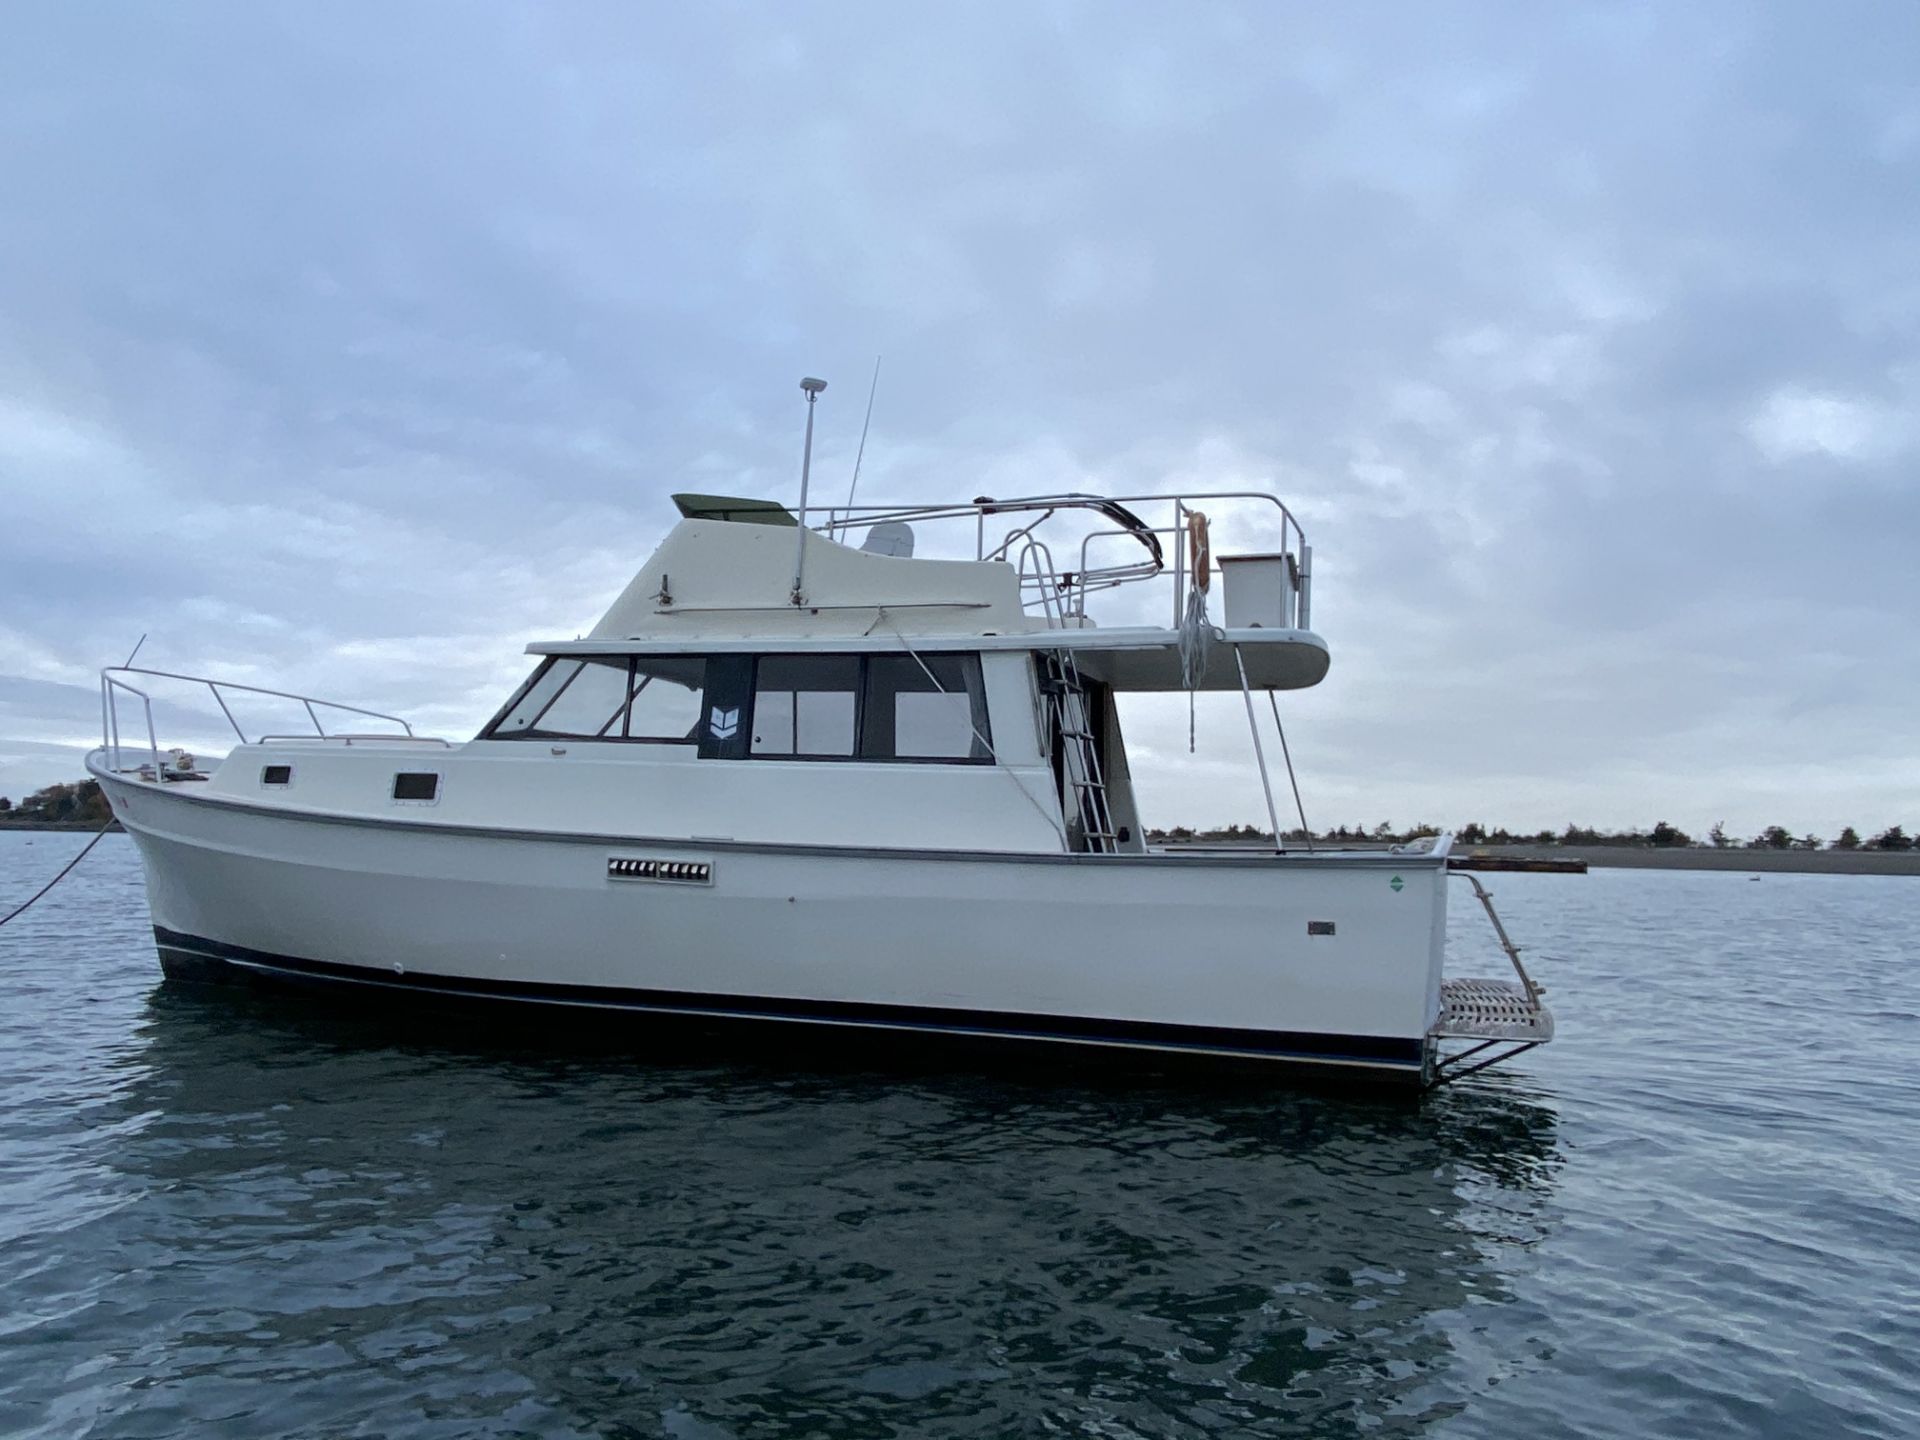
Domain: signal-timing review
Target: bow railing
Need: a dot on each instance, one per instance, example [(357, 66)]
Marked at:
[(114, 685)]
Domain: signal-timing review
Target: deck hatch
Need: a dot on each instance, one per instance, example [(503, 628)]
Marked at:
[(673, 872)]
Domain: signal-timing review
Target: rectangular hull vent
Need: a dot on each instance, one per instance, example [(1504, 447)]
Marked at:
[(672, 872)]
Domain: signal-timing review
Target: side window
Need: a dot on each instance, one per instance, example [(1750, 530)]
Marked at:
[(806, 705), (932, 708), (538, 694), (665, 698)]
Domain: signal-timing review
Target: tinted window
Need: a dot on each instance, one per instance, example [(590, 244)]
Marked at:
[(415, 785), (666, 698), (874, 707), (617, 697), (930, 708), (806, 705)]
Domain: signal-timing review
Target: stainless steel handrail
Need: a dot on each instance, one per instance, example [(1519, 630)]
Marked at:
[(844, 517), (1533, 989), (838, 518), (216, 686), (110, 710), (1042, 580), (111, 683), (344, 738)]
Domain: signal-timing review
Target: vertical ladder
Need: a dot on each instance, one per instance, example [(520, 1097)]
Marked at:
[(1084, 791)]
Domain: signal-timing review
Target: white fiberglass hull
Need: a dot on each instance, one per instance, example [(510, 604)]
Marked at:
[(1321, 960)]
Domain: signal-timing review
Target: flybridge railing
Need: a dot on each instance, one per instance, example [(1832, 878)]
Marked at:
[(113, 686), (1154, 523)]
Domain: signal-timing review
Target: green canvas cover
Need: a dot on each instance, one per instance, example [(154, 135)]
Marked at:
[(738, 509)]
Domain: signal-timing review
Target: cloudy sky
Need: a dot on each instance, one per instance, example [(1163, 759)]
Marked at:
[(350, 347)]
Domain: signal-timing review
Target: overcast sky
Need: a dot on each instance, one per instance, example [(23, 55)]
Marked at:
[(350, 347)]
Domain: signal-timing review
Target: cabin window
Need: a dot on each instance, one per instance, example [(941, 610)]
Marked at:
[(276, 776), (928, 708), (609, 697), (589, 704), (418, 786), (806, 705), (889, 707), (534, 698), (664, 698)]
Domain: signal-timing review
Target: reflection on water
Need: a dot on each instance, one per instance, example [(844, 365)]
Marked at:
[(1693, 1214), (335, 1225)]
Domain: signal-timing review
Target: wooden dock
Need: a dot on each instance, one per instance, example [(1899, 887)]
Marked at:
[(1532, 864)]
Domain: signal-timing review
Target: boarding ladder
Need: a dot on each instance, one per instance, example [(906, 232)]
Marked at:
[(1491, 1013), (1083, 789)]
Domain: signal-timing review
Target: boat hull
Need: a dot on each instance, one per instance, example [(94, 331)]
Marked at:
[(1320, 962)]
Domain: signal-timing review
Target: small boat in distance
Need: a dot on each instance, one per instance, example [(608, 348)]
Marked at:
[(800, 775)]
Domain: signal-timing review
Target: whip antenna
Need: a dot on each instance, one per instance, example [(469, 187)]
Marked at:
[(860, 454)]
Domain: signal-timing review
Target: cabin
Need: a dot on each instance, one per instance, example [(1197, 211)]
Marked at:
[(758, 678)]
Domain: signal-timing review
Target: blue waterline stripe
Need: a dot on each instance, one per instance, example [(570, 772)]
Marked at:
[(1293, 1045)]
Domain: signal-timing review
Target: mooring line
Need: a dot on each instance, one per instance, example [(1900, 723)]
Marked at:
[(19, 909)]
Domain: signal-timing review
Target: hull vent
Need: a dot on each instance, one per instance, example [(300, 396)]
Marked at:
[(671, 872)]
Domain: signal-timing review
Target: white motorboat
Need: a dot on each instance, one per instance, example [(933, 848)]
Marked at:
[(793, 781)]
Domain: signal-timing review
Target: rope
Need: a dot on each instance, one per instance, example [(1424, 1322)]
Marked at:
[(1196, 633), (1196, 638), (61, 876)]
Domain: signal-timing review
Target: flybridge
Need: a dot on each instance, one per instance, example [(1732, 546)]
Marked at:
[(719, 585), (1166, 536)]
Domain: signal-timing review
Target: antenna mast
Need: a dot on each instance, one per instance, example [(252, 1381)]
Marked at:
[(860, 454), (813, 388)]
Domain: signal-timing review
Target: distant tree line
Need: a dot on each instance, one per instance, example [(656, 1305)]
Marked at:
[(80, 801), (1661, 836)]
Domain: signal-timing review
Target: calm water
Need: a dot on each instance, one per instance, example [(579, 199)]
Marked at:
[(1697, 1214)]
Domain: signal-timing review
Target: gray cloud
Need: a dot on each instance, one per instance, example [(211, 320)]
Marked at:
[(350, 349)]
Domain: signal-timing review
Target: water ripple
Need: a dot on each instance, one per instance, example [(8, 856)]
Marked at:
[(1694, 1214)]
